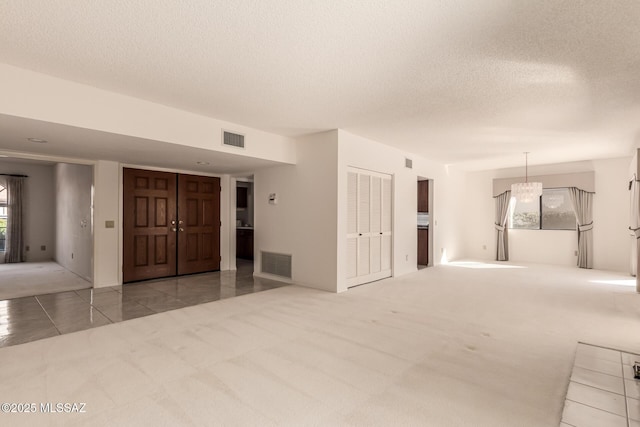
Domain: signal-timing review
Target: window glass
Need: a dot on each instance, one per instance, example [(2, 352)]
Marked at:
[(552, 211), (525, 215), (557, 211)]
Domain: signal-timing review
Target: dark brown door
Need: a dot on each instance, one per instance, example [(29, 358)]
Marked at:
[(198, 224), (149, 207)]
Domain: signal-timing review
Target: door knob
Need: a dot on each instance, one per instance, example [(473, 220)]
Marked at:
[(173, 222), (173, 229), (181, 229), (180, 222)]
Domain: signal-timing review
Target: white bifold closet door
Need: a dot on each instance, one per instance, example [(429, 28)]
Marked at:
[(368, 226)]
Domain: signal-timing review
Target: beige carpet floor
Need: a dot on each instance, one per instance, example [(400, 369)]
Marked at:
[(456, 345), (37, 278)]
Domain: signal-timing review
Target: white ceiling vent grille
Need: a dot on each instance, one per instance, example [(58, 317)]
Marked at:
[(276, 264), (408, 163), (232, 139)]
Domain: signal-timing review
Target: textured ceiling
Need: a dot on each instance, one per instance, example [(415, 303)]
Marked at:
[(473, 82)]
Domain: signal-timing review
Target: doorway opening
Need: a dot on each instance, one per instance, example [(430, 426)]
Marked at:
[(425, 232), (56, 248), (244, 225)]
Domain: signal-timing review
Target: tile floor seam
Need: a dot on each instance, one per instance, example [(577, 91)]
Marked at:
[(105, 316), (48, 316), (599, 372), (596, 387), (624, 389), (595, 407)]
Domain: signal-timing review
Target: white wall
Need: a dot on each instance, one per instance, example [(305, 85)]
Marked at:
[(304, 221), (611, 250), (359, 152), (309, 221), (227, 228), (74, 240), (611, 217), (107, 207), (39, 208)]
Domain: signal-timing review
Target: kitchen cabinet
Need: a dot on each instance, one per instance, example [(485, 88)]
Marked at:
[(241, 197), (244, 243), (423, 196), (423, 246)]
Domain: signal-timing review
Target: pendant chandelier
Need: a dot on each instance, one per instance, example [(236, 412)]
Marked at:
[(526, 191)]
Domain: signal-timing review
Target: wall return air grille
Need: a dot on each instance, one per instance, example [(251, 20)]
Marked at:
[(232, 139), (276, 264), (408, 163)]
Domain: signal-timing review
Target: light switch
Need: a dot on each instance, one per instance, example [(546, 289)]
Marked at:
[(109, 224)]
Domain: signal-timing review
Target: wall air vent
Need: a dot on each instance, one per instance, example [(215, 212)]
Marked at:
[(276, 264), (408, 163), (232, 139)]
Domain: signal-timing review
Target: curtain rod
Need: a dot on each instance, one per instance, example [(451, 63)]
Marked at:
[(16, 176)]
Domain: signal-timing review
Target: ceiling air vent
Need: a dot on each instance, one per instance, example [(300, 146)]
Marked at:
[(408, 163), (232, 139), (276, 264)]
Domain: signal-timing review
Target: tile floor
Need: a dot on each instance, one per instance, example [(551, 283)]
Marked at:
[(602, 390), (31, 318)]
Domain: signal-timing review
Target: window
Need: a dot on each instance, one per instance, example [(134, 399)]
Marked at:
[(3, 217), (552, 211), (525, 215), (557, 211)]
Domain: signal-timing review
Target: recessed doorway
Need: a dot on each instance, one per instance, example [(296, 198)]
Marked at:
[(171, 224), (425, 231), (56, 227)]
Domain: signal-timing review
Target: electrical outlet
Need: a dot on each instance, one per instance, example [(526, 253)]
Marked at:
[(484, 247), (43, 248), (26, 248), (71, 255), (575, 253), (406, 257)]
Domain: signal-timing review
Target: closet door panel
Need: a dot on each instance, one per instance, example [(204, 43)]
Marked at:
[(375, 247), (364, 263), (369, 224)]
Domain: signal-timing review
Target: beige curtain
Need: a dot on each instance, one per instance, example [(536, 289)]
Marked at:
[(582, 202), (14, 248), (502, 213), (634, 227)]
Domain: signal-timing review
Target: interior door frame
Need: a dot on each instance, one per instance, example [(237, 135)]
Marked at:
[(225, 207)]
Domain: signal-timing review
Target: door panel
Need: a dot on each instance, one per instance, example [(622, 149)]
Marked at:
[(364, 260), (148, 209), (369, 226), (199, 231)]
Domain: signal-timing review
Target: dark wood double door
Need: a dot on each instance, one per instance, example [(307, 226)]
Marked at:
[(171, 224)]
